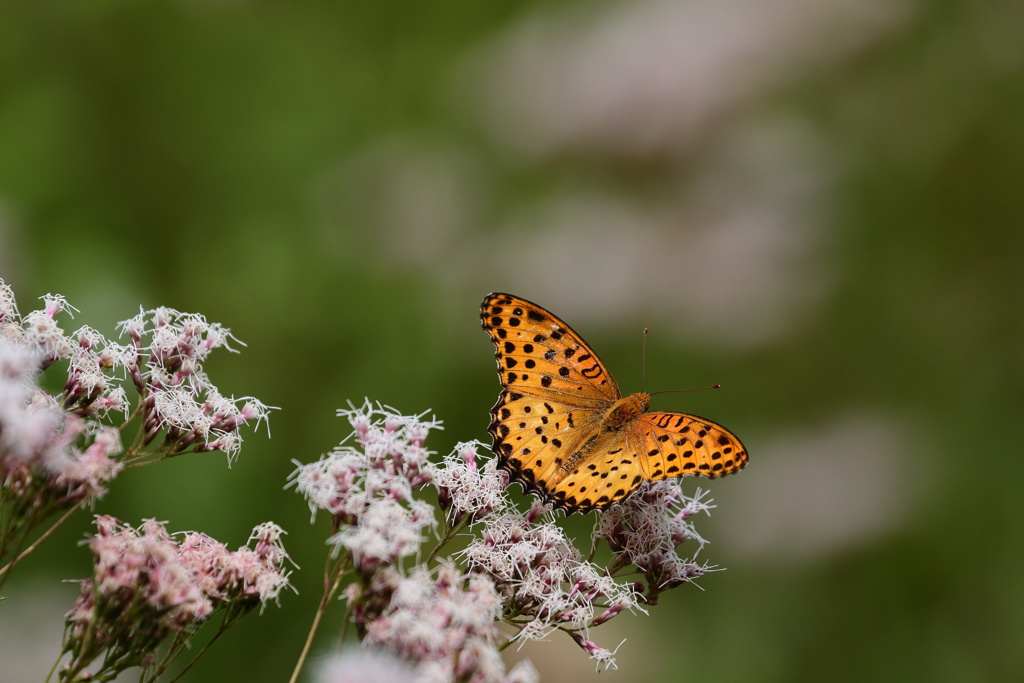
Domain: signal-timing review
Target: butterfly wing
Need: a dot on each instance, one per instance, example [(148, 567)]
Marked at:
[(555, 389), (677, 444), (611, 472), (533, 436), (656, 445), (539, 354)]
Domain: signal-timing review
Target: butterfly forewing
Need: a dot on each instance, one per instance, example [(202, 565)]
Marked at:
[(538, 353), (555, 389)]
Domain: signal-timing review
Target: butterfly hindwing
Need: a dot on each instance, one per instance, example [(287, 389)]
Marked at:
[(533, 434), (610, 474)]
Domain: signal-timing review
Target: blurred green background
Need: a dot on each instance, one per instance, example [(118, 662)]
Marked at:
[(817, 205)]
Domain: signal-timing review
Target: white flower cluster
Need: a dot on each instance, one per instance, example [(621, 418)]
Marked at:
[(465, 490), (148, 586), (53, 452), (178, 399), (368, 487), (518, 568), (545, 583), (90, 390), (39, 329), (164, 361), (182, 580), (60, 449), (31, 426), (90, 385), (446, 621), (648, 527)]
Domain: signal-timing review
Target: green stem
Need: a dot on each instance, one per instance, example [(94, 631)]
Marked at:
[(199, 654), (332, 581), (7, 567), (53, 668), (449, 535)]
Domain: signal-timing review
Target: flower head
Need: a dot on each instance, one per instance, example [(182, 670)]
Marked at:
[(49, 458), (646, 530), (165, 362), (149, 586), (464, 489), (389, 463), (444, 620), (604, 657), (86, 473), (42, 332), (8, 310), (545, 583), (385, 531)]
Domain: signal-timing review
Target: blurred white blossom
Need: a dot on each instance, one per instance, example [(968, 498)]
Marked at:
[(364, 665)]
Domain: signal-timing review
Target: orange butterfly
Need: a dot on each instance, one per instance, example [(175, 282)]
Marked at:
[(562, 429)]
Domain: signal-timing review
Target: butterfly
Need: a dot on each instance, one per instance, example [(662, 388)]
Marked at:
[(563, 430)]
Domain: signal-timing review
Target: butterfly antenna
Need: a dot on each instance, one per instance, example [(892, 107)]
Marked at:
[(679, 391), (643, 362), (643, 374)]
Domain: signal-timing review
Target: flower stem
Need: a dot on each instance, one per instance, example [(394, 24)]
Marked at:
[(332, 581), (199, 654), (7, 567), (449, 535)]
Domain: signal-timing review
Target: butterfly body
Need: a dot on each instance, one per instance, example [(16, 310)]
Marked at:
[(626, 409), (562, 429), (615, 419)]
